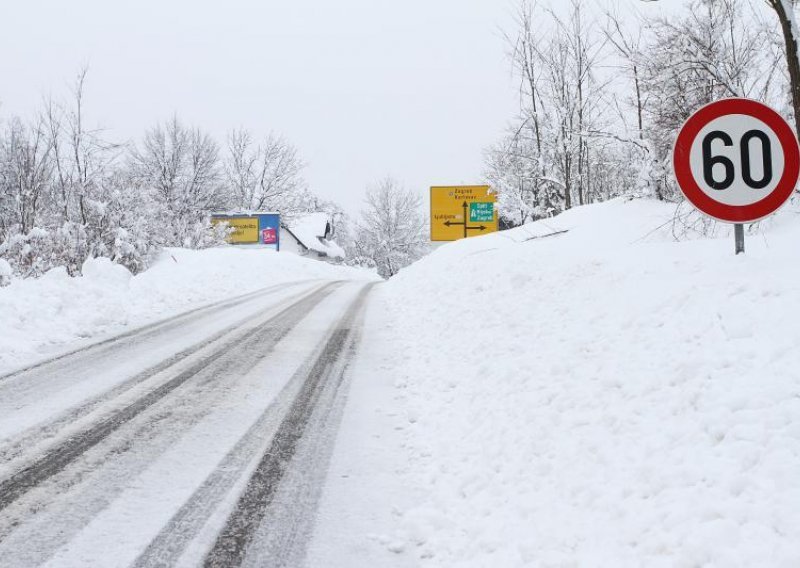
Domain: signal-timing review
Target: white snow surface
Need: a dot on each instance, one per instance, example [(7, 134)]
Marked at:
[(601, 397), (45, 316)]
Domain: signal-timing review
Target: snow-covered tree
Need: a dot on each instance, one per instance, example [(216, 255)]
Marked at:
[(391, 231), (711, 52), (265, 176), (81, 196), (599, 109), (513, 170), (179, 166), (561, 140), (25, 170), (785, 10)]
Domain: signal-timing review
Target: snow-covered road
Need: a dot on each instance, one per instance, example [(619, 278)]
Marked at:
[(198, 440)]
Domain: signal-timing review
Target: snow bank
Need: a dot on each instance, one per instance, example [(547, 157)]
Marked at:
[(600, 397), (39, 317)]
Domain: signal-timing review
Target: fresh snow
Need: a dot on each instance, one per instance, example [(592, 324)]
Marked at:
[(310, 231), (134, 517), (41, 317), (368, 483), (582, 391)]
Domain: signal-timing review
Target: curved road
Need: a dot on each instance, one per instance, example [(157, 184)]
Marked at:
[(201, 440)]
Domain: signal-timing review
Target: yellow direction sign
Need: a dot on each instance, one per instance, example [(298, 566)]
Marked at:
[(462, 211)]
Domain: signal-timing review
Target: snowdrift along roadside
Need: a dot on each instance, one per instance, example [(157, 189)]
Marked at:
[(39, 317), (599, 397)]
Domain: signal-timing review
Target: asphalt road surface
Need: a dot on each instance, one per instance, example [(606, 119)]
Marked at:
[(202, 440)]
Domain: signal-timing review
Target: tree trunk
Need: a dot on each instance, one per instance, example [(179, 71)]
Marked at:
[(638, 102), (786, 18)]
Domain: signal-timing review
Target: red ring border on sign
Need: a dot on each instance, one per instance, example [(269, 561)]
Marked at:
[(736, 213)]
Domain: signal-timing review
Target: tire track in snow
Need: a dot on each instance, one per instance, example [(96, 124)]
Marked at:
[(324, 377), (285, 532), (37, 434), (56, 460), (159, 326), (71, 501), (233, 471)]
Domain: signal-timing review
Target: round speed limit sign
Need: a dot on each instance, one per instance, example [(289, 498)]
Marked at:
[(736, 160)]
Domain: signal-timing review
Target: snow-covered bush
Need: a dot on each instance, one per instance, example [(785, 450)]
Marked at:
[(71, 244), (30, 254), (360, 262), (5, 273), (131, 252), (204, 234)]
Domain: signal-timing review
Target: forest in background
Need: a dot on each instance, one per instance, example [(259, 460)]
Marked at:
[(601, 97)]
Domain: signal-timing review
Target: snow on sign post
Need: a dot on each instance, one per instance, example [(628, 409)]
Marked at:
[(736, 160)]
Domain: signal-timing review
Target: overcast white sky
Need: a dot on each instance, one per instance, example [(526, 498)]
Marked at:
[(365, 88)]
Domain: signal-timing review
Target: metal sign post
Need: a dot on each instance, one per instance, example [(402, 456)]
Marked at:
[(738, 234)]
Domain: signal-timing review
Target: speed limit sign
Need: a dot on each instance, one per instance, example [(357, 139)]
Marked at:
[(736, 160)]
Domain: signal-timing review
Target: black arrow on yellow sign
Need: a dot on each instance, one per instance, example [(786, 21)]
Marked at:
[(464, 222)]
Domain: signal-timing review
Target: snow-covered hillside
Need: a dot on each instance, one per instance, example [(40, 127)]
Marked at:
[(39, 317), (600, 397)]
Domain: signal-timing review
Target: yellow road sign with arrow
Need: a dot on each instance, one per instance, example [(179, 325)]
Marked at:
[(462, 211)]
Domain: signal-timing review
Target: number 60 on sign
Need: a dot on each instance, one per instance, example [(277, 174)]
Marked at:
[(736, 160)]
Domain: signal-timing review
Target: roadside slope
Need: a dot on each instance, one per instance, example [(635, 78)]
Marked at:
[(603, 396)]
